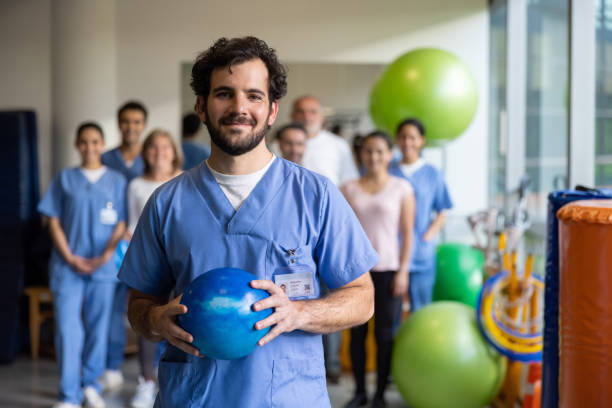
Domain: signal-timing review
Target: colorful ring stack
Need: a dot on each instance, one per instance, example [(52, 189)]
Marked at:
[(519, 338)]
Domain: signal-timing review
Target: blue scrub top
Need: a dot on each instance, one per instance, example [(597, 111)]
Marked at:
[(431, 195), (114, 160), (293, 217), (88, 213), (194, 153)]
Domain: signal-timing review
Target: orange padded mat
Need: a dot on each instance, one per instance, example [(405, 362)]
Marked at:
[(585, 303)]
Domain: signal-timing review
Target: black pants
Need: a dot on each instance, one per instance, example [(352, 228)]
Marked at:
[(386, 309)]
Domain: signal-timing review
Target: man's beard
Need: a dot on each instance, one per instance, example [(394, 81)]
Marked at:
[(242, 145), (313, 129)]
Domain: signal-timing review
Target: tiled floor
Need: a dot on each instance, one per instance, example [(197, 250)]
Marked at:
[(33, 384)]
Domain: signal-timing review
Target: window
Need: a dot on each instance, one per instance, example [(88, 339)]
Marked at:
[(497, 99), (603, 94), (546, 129)]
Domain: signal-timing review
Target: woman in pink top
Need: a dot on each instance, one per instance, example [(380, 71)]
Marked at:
[(384, 205)]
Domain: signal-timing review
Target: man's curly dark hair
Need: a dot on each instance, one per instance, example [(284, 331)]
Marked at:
[(227, 52)]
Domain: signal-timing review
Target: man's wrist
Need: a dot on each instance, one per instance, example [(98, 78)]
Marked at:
[(303, 317)]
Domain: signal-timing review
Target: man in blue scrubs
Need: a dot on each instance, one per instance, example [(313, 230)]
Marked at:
[(248, 209), (126, 159), (194, 152)]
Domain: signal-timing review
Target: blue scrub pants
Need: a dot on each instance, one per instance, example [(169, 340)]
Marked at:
[(331, 351), (421, 288), (116, 335), (82, 310)]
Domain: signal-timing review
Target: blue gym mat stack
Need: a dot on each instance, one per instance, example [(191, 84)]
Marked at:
[(19, 221)]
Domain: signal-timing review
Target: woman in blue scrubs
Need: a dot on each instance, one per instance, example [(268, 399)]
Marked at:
[(86, 211), (432, 200)]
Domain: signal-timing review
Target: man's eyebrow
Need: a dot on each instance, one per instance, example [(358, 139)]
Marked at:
[(257, 91), (250, 90), (222, 88)]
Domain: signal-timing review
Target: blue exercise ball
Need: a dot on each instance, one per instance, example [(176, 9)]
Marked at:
[(220, 314)]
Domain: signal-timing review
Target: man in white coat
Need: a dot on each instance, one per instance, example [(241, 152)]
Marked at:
[(331, 156), (326, 153)]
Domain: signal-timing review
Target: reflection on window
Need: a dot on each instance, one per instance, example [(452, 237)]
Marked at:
[(497, 98), (547, 100), (603, 94)]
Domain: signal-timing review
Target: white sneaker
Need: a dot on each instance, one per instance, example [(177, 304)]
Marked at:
[(64, 404), (93, 399), (111, 380), (145, 394)]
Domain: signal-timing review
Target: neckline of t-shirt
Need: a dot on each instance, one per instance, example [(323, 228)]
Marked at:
[(128, 164), (99, 172), (412, 168), (100, 169), (141, 179), (240, 179), (387, 186)]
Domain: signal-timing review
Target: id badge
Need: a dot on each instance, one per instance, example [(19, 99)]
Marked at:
[(296, 281), (108, 215)]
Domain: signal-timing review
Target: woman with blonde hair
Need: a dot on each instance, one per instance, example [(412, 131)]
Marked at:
[(162, 162)]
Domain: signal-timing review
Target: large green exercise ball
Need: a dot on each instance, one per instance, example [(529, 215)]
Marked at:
[(440, 359), (430, 84), (459, 273)]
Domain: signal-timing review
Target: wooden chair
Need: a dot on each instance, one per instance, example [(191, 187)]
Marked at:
[(36, 296)]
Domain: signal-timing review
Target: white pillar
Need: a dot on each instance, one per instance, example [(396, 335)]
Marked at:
[(84, 72), (582, 94), (516, 96)]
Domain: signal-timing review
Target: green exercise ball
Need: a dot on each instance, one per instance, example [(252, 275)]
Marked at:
[(440, 359), (430, 84), (459, 273)]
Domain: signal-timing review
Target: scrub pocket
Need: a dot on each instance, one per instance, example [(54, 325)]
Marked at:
[(185, 384), (294, 270), (62, 277), (299, 383), (424, 253)]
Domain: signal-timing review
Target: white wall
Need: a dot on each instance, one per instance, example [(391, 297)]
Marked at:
[(25, 68), (153, 38), (84, 72)]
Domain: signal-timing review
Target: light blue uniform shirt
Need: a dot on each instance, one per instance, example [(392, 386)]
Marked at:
[(114, 160), (431, 195), (292, 217), (194, 153), (116, 338), (88, 213)]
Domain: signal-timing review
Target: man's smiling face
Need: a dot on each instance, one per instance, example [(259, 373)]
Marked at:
[(238, 112)]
